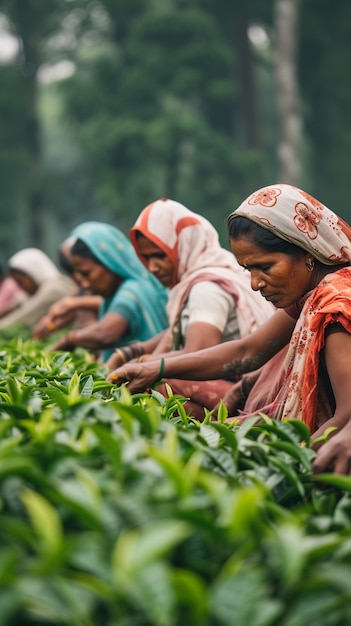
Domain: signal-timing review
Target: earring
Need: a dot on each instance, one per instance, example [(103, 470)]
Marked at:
[(310, 265)]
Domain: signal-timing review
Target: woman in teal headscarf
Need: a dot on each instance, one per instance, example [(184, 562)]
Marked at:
[(133, 308)]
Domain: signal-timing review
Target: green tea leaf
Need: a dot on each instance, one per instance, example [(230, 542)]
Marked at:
[(46, 523)]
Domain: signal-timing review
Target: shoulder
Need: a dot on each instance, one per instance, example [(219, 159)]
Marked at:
[(206, 288)]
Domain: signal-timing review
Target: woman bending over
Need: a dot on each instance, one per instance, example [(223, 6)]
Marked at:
[(210, 299)]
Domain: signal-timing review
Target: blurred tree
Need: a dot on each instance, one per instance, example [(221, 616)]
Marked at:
[(31, 22), (324, 70), (156, 113), (288, 98), (14, 160), (169, 98)]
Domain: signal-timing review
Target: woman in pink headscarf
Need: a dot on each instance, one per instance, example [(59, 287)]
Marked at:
[(297, 253), (210, 298)]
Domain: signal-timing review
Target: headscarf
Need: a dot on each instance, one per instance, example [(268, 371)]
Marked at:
[(298, 218), (139, 290), (65, 254), (192, 245), (35, 264)]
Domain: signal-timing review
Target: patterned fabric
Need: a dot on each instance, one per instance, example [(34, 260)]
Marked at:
[(299, 218), (192, 245), (141, 298), (328, 303)]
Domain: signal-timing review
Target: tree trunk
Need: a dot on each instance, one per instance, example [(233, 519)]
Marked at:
[(288, 104), (248, 99), (27, 20)]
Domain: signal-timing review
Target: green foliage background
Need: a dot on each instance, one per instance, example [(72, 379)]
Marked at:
[(168, 98)]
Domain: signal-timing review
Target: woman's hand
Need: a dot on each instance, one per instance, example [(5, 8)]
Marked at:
[(335, 454), (63, 307), (60, 314), (115, 361), (65, 343), (43, 328), (139, 376)]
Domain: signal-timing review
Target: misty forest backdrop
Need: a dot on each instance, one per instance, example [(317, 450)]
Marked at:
[(106, 105)]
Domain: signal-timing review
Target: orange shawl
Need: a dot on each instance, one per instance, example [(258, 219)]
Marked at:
[(328, 303)]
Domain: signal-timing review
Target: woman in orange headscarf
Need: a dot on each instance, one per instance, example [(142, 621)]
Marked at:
[(210, 299)]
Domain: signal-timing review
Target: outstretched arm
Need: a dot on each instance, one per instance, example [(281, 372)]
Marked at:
[(226, 360), (63, 312), (97, 336)]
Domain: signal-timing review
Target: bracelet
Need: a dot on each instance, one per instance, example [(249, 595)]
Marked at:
[(128, 352), (121, 354), (136, 349), (162, 369), (244, 389), (132, 350)]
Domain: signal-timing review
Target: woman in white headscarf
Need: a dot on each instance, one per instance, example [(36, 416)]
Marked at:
[(39, 277)]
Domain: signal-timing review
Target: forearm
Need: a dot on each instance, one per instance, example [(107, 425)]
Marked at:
[(151, 344), (201, 365), (70, 305), (233, 358), (85, 338), (227, 360), (88, 303)]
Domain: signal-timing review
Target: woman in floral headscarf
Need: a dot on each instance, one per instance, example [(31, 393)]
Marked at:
[(210, 298), (298, 255)]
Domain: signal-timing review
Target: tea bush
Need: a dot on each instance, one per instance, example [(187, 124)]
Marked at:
[(121, 510)]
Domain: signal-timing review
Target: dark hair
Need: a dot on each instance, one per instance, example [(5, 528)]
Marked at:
[(241, 227), (64, 262), (79, 248)]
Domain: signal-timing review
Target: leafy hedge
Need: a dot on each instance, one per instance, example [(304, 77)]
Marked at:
[(120, 510)]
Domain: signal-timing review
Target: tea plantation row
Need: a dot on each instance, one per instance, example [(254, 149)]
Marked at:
[(120, 510)]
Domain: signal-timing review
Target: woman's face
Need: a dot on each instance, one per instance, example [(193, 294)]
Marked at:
[(280, 278), (156, 261), (95, 277), (24, 281)]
